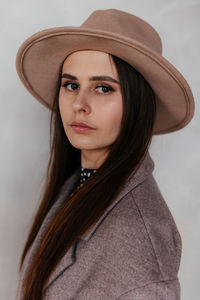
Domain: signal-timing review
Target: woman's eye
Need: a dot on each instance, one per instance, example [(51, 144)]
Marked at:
[(104, 89), (70, 85)]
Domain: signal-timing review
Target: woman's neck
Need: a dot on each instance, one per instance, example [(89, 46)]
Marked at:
[(93, 159)]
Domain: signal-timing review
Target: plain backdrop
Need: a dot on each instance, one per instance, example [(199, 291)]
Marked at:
[(24, 126)]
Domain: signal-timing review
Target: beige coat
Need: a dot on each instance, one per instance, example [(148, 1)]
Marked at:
[(132, 253)]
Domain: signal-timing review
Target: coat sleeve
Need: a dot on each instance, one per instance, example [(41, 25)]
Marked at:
[(164, 290)]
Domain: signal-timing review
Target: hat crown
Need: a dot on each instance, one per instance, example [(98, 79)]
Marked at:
[(124, 24)]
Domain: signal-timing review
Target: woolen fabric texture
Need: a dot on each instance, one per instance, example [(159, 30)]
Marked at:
[(132, 253), (40, 57)]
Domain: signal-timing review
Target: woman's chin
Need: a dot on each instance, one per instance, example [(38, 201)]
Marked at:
[(82, 146)]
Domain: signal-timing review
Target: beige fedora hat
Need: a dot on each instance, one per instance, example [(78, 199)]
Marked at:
[(122, 34)]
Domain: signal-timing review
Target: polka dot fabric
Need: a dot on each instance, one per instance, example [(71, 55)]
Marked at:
[(85, 174)]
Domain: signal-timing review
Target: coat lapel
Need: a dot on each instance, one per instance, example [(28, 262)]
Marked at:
[(145, 169), (142, 173)]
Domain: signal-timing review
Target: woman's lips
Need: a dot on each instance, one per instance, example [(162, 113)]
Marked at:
[(81, 124), (80, 127)]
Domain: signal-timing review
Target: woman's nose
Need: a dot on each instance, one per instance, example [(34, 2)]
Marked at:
[(81, 103)]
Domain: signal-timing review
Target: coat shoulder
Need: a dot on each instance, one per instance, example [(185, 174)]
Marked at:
[(160, 227)]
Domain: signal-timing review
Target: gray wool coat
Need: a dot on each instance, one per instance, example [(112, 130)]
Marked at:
[(132, 253)]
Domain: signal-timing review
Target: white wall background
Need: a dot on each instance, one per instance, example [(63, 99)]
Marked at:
[(25, 126)]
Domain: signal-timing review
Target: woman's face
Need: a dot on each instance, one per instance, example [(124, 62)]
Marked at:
[(90, 93)]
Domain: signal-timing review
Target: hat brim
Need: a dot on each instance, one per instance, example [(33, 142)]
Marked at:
[(40, 57)]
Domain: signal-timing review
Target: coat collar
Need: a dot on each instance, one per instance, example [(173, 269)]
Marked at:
[(146, 168)]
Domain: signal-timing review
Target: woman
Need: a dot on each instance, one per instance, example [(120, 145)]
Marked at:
[(103, 229)]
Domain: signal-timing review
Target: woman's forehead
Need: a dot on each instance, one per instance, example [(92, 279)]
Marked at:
[(90, 62)]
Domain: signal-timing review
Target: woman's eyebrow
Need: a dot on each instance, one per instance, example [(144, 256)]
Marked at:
[(93, 78)]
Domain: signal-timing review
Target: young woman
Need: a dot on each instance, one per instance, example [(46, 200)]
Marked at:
[(103, 229)]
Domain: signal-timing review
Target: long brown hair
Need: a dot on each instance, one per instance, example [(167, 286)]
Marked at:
[(80, 211)]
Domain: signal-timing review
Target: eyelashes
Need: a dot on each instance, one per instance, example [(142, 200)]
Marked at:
[(105, 87), (67, 83), (72, 86)]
